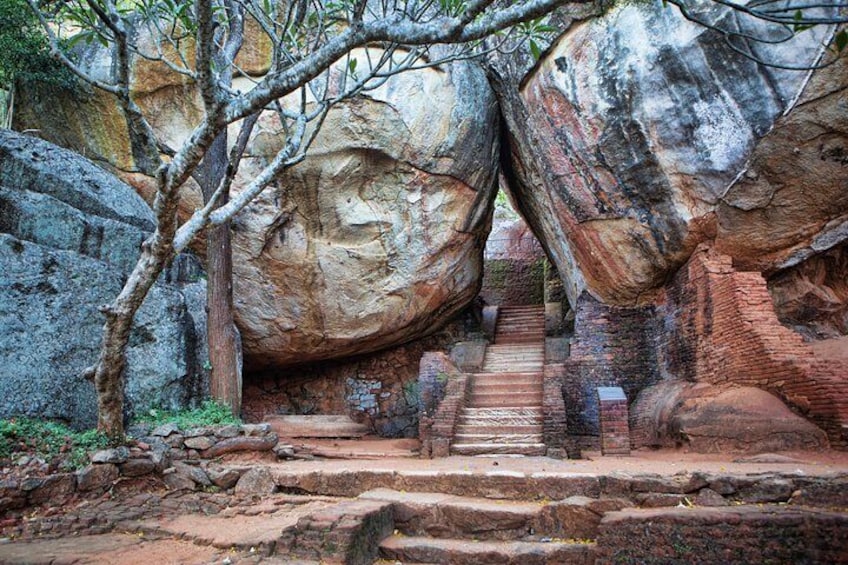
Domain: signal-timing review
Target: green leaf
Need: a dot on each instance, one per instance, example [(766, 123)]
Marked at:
[(841, 40), (535, 50)]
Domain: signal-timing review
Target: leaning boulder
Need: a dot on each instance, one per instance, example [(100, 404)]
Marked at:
[(644, 135), (69, 234)]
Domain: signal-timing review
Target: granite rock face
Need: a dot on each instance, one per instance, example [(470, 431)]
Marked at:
[(375, 239), (643, 135), (69, 233), (812, 297)]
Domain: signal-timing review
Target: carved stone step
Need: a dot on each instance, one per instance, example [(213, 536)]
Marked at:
[(492, 413), (483, 427), (511, 377), (506, 388), (498, 438), (528, 449), (508, 367), (510, 399)]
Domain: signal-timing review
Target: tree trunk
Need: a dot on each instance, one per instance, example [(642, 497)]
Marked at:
[(109, 371), (225, 378)]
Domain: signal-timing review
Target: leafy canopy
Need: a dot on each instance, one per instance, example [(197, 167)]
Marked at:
[(24, 49)]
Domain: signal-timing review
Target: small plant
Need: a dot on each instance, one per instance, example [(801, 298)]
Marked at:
[(48, 440), (210, 413)]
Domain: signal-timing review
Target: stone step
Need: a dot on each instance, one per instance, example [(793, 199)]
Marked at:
[(506, 378), (500, 422), (529, 449), (521, 326), (495, 413), (515, 356), (536, 353), (331, 426), (517, 340), (483, 400), (510, 367), (499, 437), (516, 347), (529, 328), (506, 388), (449, 516), (466, 552), (483, 427), (503, 422)]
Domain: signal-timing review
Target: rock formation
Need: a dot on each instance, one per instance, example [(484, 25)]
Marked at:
[(646, 135), (709, 419), (376, 238), (69, 234)]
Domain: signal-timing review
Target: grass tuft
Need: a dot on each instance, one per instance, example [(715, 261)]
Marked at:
[(210, 413)]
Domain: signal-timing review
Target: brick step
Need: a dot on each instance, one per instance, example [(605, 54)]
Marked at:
[(497, 438), (506, 388), (528, 449), (465, 552), (515, 399), (483, 427)]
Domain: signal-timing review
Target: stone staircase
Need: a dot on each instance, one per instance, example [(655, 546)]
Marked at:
[(440, 528), (504, 414)]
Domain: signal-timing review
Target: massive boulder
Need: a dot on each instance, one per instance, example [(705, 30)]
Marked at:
[(709, 419), (69, 235), (641, 135), (375, 239)]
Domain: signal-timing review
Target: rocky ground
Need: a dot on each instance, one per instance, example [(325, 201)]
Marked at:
[(141, 520)]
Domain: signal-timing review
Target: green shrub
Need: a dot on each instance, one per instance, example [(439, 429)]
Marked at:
[(211, 413), (24, 50), (48, 440)]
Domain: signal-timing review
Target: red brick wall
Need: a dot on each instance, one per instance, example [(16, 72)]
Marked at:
[(720, 327), (443, 390), (615, 431), (611, 347)]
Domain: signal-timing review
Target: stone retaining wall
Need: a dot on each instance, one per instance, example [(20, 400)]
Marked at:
[(182, 458)]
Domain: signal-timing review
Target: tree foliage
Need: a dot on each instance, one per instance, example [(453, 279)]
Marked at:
[(24, 49)]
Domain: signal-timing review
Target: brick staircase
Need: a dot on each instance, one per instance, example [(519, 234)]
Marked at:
[(504, 410)]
